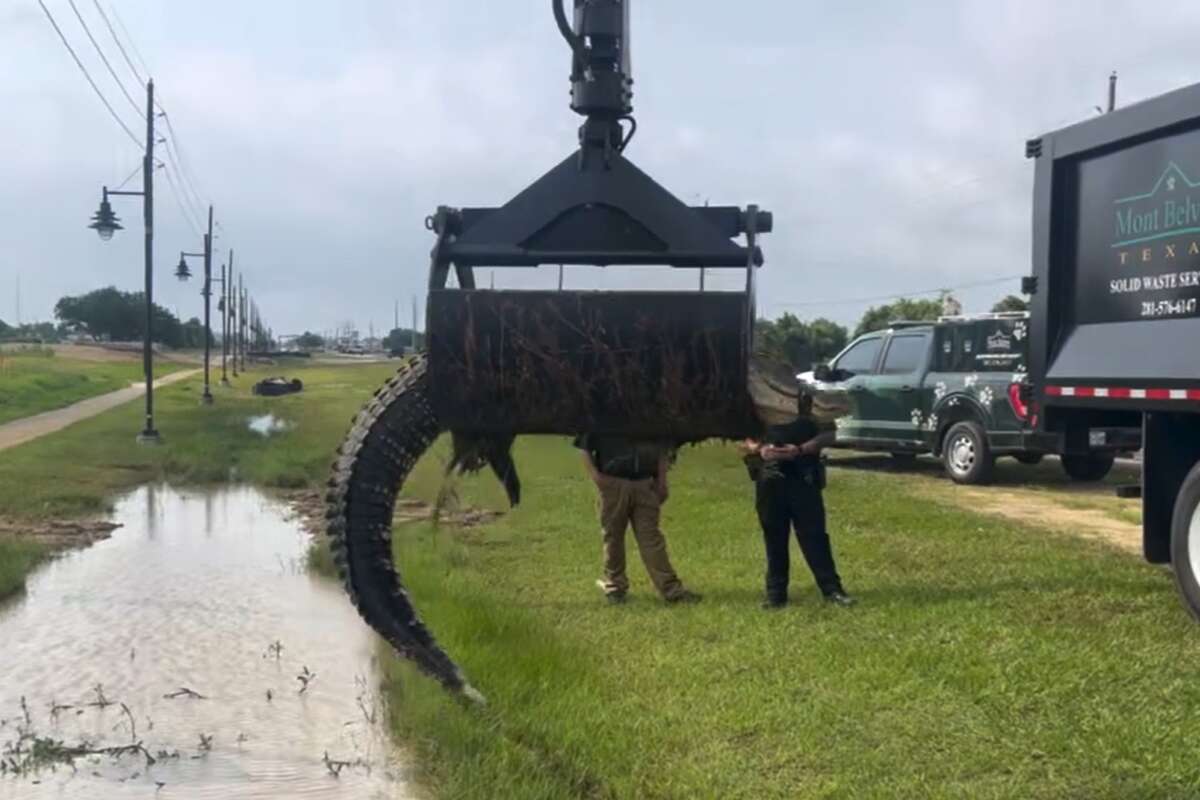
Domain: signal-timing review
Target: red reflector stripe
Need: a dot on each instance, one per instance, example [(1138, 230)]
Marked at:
[(1123, 393)]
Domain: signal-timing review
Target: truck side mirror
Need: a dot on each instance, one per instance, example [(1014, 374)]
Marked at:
[(822, 373)]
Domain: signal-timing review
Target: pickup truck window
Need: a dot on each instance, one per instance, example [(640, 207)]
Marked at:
[(860, 357), (905, 355)]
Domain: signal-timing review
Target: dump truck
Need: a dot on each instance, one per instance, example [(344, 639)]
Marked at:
[(1116, 304)]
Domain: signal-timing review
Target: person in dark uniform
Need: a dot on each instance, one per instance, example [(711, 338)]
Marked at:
[(789, 478)]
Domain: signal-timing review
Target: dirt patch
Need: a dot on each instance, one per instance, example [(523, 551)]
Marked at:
[(308, 507), (1036, 508), (58, 534)]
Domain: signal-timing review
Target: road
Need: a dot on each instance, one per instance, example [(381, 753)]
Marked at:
[(30, 428)]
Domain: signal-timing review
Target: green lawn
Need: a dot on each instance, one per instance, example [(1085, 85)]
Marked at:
[(985, 660), (33, 380)]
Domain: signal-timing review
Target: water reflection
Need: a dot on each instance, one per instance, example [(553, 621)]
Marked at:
[(173, 601)]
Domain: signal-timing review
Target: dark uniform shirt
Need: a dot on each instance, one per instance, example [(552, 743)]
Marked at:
[(622, 456)]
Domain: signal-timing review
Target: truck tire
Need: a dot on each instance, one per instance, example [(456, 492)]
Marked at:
[(1185, 541), (1090, 467), (1031, 459), (966, 454)]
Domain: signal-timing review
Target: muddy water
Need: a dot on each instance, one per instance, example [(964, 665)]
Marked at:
[(204, 592)]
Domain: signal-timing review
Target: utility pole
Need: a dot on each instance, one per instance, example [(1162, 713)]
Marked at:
[(149, 434), (207, 397), (225, 278), (1112, 91), (244, 330), (414, 329)]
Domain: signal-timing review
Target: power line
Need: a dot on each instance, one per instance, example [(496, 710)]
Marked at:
[(195, 201), (183, 185), (91, 82), (897, 295), (121, 185), (176, 194), (185, 171), (137, 109), (121, 47), (128, 38)]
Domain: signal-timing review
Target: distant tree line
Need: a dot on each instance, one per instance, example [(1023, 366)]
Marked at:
[(112, 315)]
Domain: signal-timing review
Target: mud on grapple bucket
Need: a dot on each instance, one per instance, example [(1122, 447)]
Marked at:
[(668, 365)]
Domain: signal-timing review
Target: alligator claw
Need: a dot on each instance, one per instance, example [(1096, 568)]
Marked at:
[(472, 452)]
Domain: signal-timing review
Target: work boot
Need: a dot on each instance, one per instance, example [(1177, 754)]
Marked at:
[(838, 597), (614, 598), (683, 596)]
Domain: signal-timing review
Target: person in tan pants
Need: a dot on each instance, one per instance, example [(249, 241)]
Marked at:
[(631, 477)]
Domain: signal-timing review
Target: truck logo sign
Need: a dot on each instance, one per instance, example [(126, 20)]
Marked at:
[(1149, 217), (998, 341), (1156, 244)]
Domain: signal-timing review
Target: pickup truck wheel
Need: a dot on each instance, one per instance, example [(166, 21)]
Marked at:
[(1031, 459), (1090, 467), (1185, 541), (966, 453)]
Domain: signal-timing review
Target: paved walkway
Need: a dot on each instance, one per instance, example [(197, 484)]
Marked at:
[(30, 428)]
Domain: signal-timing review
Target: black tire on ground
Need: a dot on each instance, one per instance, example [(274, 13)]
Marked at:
[(904, 459), (966, 454), (1031, 459), (1090, 467), (1185, 541)]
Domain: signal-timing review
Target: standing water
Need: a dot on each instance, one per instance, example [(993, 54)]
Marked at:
[(195, 631)]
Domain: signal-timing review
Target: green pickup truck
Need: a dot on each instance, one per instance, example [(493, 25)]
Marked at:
[(958, 389)]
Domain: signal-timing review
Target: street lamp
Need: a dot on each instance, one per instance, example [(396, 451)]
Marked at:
[(105, 223), (183, 273)]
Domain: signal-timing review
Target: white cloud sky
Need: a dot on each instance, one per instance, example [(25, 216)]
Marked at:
[(887, 138)]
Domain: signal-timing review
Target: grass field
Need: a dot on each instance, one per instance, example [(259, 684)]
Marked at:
[(985, 660), (33, 380)]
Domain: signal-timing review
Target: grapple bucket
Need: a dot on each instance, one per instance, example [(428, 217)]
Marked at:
[(658, 364)]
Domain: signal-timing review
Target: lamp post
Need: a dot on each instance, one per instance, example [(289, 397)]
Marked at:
[(105, 222), (183, 273)]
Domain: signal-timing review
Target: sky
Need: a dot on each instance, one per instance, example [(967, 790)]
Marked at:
[(886, 137)]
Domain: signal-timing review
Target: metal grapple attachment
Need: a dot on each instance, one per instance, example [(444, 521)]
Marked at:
[(641, 363)]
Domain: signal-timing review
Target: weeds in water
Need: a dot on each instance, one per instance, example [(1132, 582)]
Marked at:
[(274, 650), (335, 766), (206, 742), (57, 708), (305, 678), (101, 701), (31, 754), (132, 723), (183, 691)]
